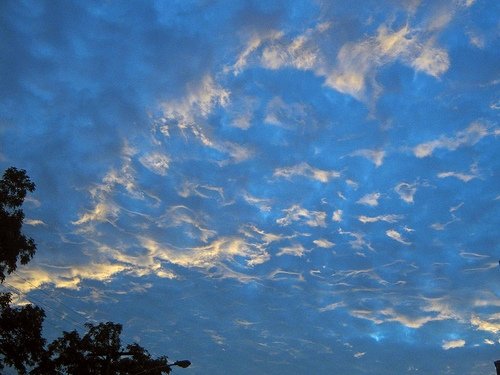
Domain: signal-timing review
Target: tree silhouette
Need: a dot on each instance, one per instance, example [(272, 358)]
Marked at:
[(22, 346), (100, 352), (14, 246), (21, 342)]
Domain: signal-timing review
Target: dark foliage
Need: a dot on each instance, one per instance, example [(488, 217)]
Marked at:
[(21, 342), (100, 351), (22, 346), (14, 246)]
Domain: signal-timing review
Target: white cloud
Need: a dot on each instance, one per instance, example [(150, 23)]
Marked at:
[(406, 191), (301, 53), (181, 215), (188, 189), (473, 173), (34, 222), (297, 213), (357, 63), (262, 203), (304, 169), (156, 162), (332, 306), (337, 216), (491, 325), (358, 242), (442, 226), (391, 233), (468, 137), (253, 44), (374, 219), (431, 60), (453, 344), (286, 115), (325, 244), (370, 199), (461, 176), (296, 250), (214, 254), (190, 112), (267, 238), (103, 211), (375, 156), (70, 277)]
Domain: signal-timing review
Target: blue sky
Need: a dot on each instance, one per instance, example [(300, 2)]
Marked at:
[(263, 187)]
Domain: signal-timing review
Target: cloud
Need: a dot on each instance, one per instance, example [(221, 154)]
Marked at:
[(179, 215), (386, 218), (67, 277), (375, 156), (492, 324), (337, 216), (304, 169), (442, 226), (156, 162), (370, 199), (262, 203), (468, 137), (253, 44), (101, 212), (453, 344), (332, 306), (474, 173), (252, 231), (296, 250), (391, 233), (190, 113), (286, 115), (34, 222), (296, 213), (199, 102), (358, 62), (406, 191), (358, 242), (301, 53), (214, 254), (188, 189), (325, 244)]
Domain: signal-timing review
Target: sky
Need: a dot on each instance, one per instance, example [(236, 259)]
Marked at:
[(274, 187)]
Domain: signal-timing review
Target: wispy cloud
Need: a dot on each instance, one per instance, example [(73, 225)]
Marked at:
[(337, 216), (406, 191), (323, 243), (359, 242), (492, 324), (375, 156), (296, 213), (34, 222), (374, 219), (468, 137), (370, 199), (465, 177), (358, 62), (156, 162), (453, 344), (395, 235), (304, 169), (295, 250)]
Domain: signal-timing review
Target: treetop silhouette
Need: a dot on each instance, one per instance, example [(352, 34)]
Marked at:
[(14, 246), (22, 347)]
